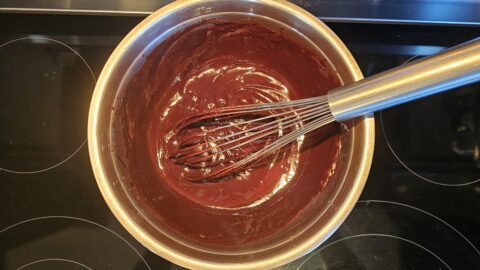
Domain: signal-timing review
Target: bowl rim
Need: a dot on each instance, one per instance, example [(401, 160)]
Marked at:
[(163, 250)]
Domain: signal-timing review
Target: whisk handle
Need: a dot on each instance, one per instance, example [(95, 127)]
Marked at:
[(451, 68)]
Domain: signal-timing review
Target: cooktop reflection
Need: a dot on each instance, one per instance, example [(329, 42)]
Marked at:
[(419, 209)]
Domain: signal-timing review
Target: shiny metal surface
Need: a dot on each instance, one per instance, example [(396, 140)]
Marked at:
[(450, 69), (323, 219), (457, 12)]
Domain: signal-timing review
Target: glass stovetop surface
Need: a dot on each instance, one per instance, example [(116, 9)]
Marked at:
[(419, 210)]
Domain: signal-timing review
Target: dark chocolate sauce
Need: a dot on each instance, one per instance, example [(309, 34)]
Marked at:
[(217, 63)]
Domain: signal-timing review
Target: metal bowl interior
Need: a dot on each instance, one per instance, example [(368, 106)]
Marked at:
[(313, 228)]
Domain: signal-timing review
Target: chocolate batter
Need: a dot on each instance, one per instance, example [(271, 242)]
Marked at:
[(217, 63)]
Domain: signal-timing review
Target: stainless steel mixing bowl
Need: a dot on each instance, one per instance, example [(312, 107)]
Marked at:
[(340, 195)]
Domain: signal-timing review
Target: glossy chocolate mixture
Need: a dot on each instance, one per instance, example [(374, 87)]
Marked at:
[(217, 63)]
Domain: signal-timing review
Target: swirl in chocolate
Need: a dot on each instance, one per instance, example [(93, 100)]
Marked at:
[(216, 63)]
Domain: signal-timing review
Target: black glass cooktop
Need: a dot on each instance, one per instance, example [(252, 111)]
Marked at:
[(419, 210)]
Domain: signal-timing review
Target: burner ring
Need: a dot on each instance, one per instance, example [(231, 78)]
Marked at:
[(39, 136), (428, 179), (386, 236), (54, 260), (43, 235), (404, 230), (396, 144)]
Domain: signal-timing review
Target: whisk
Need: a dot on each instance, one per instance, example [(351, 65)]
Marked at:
[(224, 141)]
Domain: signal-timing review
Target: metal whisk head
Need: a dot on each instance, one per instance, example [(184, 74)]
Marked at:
[(224, 141)]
